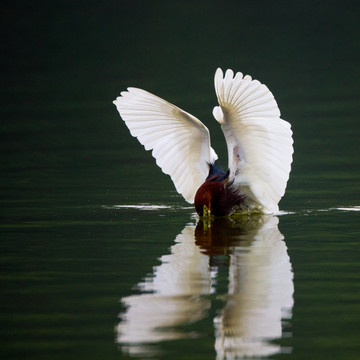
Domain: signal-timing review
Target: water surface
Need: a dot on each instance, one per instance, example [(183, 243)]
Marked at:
[(101, 258)]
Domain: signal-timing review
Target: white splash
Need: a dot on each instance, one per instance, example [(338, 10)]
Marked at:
[(341, 208), (281, 212), (353, 208), (141, 207)]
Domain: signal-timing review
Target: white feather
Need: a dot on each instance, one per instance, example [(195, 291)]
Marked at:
[(180, 142), (259, 142)]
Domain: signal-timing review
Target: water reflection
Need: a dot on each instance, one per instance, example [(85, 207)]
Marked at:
[(258, 296)]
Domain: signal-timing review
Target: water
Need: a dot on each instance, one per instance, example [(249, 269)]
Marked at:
[(100, 258)]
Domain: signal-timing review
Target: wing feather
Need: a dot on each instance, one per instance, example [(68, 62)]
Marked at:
[(180, 142), (259, 142)]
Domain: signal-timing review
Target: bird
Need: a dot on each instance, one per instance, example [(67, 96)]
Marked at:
[(259, 144)]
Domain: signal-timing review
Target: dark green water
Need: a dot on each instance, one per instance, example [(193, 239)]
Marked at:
[(99, 256)]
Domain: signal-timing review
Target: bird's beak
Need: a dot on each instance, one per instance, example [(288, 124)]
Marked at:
[(206, 211)]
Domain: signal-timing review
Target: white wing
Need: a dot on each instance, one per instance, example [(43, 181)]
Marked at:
[(259, 142), (180, 142)]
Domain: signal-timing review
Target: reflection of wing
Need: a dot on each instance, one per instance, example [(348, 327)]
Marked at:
[(260, 294), (183, 272), (171, 298), (259, 142), (180, 142)]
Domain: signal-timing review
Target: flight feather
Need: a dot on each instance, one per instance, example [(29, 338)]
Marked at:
[(180, 142), (259, 142)]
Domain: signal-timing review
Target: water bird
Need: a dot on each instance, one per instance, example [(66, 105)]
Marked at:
[(259, 143)]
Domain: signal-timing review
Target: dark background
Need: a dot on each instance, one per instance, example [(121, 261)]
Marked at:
[(64, 62), (68, 255)]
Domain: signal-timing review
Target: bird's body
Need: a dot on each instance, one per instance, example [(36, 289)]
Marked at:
[(259, 145), (215, 196)]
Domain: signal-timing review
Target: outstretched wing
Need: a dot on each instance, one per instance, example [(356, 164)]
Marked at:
[(180, 143), (259, 142)]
